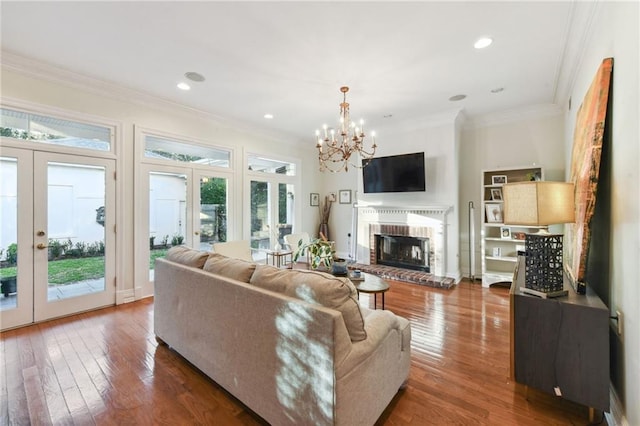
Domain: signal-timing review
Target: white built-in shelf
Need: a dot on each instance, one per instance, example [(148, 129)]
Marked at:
[(503, 258), (500, 268)]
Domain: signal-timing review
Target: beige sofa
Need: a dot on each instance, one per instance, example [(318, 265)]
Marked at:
[(294, 346)]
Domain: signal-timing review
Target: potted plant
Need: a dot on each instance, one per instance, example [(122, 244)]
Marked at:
[(320, 251)]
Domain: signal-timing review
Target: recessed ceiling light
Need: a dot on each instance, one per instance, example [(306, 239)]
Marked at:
[(268, 116), (194, 76), (455, 98), (497, 90), (482, 42), (183, 86)]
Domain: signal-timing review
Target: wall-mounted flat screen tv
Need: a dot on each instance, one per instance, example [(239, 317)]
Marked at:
[(396, 173)]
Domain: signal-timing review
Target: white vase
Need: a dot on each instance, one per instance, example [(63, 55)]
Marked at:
[(277, 247)]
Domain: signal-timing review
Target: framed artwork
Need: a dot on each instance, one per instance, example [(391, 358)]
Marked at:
[(332, 197), (497, 252), (505, 232), (496, 194), (498, 179), (314, 199), (494, 212), (588, 137), (345, 196)]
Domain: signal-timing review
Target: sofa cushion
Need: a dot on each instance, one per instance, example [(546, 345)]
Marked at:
[(236, 269), (187, 256), (318, 288)]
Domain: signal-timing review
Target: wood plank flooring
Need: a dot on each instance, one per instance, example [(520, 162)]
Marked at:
[(105, 367)]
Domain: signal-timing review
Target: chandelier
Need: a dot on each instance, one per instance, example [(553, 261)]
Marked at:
[(336, 147)]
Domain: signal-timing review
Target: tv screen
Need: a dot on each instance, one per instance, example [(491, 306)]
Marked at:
[(396, 173)]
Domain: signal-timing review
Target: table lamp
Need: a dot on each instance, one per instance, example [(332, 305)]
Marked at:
[(541, 203)]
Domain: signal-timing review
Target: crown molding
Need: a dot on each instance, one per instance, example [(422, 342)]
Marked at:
[(579, 29), (37, 69), (530, 112)]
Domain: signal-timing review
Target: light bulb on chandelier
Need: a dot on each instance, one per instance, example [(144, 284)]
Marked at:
[(335, 150)]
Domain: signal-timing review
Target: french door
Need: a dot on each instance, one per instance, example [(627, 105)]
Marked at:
[(58, 235), (271, 212), (183, 206)]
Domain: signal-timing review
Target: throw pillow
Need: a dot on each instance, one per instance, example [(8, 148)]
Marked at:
[(187, 256), (318, 288), (236, 269)]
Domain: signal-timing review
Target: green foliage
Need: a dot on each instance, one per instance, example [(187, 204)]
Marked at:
[(12, 254), (69, 271), (320, 251), (154, 255), (177, 239), (214, 191), (56, 248)]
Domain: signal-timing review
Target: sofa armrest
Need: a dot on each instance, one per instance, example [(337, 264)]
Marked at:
[(378, 324)]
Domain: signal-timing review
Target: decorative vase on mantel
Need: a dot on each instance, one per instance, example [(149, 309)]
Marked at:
[(324, 230)]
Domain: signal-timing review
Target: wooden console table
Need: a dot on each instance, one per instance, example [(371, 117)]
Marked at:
[(561, 345)]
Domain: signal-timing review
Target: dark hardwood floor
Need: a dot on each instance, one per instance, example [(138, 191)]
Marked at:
[(105, 367)]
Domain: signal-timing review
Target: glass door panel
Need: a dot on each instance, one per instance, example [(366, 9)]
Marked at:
[(73, 234), (9, 233), (167, 214), (285, 210), (260, 215), (213, 211), (16, 256), (75, 220)]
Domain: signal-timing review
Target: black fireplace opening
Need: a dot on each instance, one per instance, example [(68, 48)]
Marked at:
[(403, 252)]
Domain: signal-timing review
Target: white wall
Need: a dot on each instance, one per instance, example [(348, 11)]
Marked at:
[(438, 138), (615, 33), (511, 139), (58, 90)]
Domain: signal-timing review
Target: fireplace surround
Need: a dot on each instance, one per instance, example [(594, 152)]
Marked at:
[(419, 222)]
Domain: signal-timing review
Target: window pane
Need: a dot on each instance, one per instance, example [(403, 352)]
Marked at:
[(260, 236), (213, 211), (9, 234), (167, 213), (76, 205), (51, 130), (167, 149), (285, 210), (267, 165)]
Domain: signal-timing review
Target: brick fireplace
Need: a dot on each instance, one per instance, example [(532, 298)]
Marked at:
[(422, 222)]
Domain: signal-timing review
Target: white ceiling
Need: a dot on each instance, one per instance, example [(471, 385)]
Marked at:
[(401, 59)]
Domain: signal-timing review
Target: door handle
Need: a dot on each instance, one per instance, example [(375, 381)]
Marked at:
[(42, 246), (197, 233)]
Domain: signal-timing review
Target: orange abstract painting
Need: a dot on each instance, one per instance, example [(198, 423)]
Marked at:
[(585, 170)]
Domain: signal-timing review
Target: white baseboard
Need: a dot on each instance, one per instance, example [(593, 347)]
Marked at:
[(616, 416), (125, 296)]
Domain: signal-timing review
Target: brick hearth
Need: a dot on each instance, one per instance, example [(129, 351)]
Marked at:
[(399, 274)]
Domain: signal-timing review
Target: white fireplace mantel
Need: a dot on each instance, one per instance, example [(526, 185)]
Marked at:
[(433, 216), (436, 210)]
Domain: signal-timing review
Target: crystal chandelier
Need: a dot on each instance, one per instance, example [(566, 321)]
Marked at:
[(335, 148)]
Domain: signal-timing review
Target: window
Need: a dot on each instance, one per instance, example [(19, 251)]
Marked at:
[(168, 149), (51, 130), (267, 165), (271, 202)]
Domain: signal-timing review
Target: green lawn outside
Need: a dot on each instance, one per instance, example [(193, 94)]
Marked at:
[(68, 271)]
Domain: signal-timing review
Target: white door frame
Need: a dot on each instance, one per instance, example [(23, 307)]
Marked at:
[(32, 297)]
